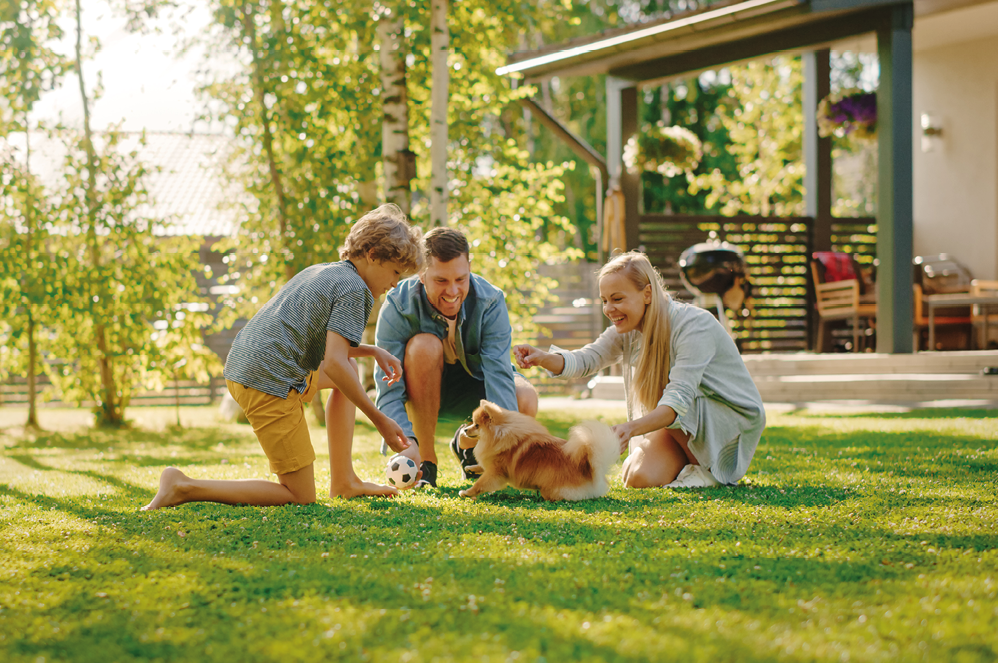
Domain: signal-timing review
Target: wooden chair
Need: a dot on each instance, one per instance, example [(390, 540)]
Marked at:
[(921, 320), (984, 316), (839, 301)]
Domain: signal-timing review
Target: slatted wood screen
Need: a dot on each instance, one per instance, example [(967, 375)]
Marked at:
[(777, 251)]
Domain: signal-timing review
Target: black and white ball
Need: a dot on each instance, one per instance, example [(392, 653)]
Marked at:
[(402, 471)]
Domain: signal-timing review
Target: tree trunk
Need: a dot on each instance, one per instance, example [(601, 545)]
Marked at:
[(440, 96), (111, 412), (258, 86), (393, 74), (32, 421)]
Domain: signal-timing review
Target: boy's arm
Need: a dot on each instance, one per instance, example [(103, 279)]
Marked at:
[(337, 367), (391, 365)]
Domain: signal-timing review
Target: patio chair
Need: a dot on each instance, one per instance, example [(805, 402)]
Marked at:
[(984, 316), (921, 320), (838, 284)]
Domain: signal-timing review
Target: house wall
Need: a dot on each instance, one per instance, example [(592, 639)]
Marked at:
[(955, 185)]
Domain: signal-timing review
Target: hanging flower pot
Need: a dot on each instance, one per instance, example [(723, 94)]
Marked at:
[(847, 113), (668, 151)]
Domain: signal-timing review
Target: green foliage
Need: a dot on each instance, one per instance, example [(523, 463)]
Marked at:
[(28, 64), (121, 276), (869, 538), (318, 73), (318, 69), (693, 104), (763, 117)]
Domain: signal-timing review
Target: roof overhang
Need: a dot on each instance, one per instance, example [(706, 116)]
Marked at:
[(724, 33)]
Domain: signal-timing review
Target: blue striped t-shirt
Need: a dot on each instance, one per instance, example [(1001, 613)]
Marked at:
[(285, 340)]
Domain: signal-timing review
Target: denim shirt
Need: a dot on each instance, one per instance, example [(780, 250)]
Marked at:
[(484, 340)]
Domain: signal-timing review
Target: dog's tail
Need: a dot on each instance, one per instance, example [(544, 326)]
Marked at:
[(595, 442)]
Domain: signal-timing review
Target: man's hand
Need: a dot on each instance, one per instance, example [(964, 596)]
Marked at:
[(390, 365), (527, 356)]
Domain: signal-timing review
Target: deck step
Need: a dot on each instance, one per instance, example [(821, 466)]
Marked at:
[(919, 377)]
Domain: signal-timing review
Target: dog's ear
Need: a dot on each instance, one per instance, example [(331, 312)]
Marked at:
[(481, 416), (492, 411)]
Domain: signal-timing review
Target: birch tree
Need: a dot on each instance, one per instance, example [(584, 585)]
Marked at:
[(439, 121)]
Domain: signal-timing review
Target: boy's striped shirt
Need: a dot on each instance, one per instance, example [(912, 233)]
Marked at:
[(285, 340)]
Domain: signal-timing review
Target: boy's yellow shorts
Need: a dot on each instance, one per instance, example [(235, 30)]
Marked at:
[(279, 424)]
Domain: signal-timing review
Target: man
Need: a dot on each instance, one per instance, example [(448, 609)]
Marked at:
[(450, 328)]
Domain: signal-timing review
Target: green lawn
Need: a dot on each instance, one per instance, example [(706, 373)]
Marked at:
[(853, 538)]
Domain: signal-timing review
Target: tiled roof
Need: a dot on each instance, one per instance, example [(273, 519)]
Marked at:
[(188, 191)]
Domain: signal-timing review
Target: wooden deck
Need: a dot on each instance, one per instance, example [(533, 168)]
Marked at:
[(902, 378)]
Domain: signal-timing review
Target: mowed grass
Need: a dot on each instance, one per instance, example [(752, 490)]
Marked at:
[(853, 538)]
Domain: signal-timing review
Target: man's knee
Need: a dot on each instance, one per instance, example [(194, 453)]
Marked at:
[(526, 397), (425, 351)]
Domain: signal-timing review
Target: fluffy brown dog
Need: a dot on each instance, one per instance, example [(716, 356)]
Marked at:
[(516, 450)]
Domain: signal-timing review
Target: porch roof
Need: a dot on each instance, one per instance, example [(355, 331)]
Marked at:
[(714, 36)]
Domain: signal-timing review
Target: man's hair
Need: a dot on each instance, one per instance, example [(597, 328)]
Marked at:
[(385, 232), (445, 244)]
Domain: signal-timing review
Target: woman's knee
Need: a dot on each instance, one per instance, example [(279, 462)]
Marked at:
[(637, 477)]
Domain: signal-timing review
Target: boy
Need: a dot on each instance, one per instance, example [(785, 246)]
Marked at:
[(302, 340)]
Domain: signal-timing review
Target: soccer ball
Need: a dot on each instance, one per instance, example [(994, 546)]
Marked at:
[(402, 472)]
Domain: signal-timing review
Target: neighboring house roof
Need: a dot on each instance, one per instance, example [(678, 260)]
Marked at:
[(188, 191)]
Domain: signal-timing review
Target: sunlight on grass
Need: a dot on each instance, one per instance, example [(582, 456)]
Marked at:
[(867, 537)]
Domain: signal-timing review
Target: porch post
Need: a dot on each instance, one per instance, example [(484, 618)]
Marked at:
[(815, 149), (818, 174), (895, 183), (622, 122)]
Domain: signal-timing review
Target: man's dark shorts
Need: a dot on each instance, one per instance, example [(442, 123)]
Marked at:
[(460, 394)]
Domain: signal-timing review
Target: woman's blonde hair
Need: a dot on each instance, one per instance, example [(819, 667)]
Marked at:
[(652, 370), (385, 232)]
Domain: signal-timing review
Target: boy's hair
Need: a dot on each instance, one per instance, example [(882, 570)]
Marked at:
[(385, 232), (445, 244), (653, 363)]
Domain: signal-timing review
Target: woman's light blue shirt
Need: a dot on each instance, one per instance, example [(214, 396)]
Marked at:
[(714, 397)]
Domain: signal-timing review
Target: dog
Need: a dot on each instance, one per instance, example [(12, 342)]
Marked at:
[(514, 449)]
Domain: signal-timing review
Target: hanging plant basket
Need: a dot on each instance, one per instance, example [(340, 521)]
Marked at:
[(668, 151), (847, 113)]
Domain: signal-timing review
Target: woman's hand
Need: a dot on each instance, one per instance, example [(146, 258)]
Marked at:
[(390, 365), (623, 432), (527, 356)]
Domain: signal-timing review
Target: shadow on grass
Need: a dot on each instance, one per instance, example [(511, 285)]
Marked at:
[(197, 439), (239, 564)]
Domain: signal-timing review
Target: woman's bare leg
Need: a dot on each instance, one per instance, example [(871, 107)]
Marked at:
[(658, 460), (177, 488)]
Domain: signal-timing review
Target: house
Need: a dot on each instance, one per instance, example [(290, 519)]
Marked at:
[(937, 112)]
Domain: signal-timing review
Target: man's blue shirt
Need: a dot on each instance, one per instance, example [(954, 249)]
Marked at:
[(484, 341)]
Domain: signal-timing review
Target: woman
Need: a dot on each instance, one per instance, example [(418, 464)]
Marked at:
[(694, 414)]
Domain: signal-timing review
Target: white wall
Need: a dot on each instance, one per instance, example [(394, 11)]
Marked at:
[(955, 186)]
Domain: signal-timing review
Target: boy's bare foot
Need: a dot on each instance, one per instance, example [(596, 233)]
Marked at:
[(169, 493), (359, 488)]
